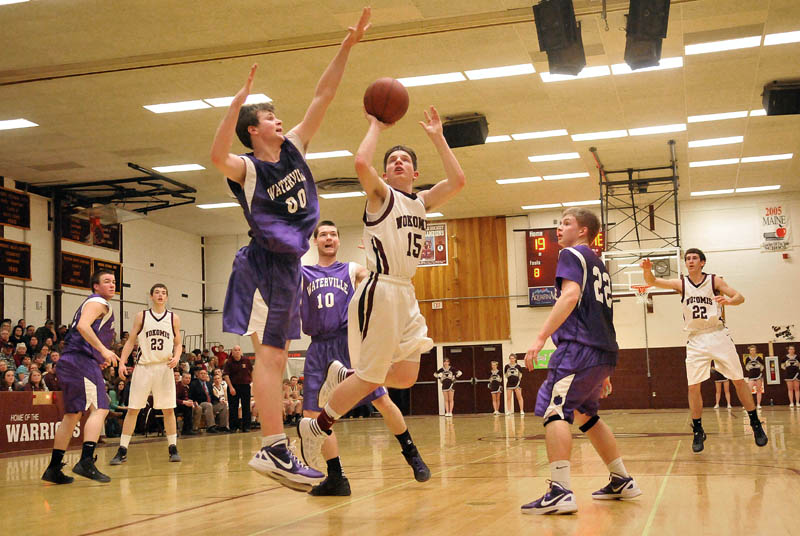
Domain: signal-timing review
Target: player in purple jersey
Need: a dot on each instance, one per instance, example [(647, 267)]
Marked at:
[(581, 326), (80, 367), (277, 193), (328, 288)]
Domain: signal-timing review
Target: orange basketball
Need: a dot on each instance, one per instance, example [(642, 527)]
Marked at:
[(386, 99)]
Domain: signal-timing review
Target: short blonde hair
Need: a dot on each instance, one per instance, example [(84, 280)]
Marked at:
[(585, 218)]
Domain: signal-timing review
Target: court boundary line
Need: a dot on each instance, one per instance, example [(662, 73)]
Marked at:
[(653, 511)]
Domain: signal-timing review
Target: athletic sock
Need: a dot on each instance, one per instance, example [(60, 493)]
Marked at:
[(88, 450), (172, 439), (326, 418), (124, 441), (618, 468), (406, 443), (559, 472), (56, 458), (697, 425), (268, 441), (335, 467), (753, 413), (345, 373)]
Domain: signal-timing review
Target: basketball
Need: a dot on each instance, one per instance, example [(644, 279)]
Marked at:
[(386, 99)]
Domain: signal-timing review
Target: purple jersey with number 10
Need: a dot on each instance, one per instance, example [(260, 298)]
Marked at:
[(327, 291), (591, 323)]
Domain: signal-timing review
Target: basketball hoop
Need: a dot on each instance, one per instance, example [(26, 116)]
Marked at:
[(642, 291)]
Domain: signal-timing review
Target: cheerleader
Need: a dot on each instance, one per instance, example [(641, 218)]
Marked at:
[(754, 370), (791, 367), (720, 381), (496, 386), (447, 376), (513, 373)]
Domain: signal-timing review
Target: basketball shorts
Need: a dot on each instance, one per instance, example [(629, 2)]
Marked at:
[(156, 378), (263, 296), (706, 346), (82, 382), (320, 353), (385, 326), (574, 381)]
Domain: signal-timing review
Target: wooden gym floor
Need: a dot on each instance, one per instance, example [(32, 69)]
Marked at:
[(483, 467)]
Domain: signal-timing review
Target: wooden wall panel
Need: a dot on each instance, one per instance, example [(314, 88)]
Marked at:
[(478, 266)]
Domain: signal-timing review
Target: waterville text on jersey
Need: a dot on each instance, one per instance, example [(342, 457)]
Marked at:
[(285, 184)]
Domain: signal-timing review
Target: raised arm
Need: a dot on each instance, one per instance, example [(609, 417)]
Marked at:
[(729, 295), (570, 293), (229, 164), (371, 182), (138, 321), (653, 281), (329, 81), (454, 176)]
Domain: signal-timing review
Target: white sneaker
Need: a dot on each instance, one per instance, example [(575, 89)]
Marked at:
[(716, 406), (448, 414), (729, 406), (335, 375), (758, 406), (791, 405), (496, 413), (509, 413), (311, 440), (521, 413)]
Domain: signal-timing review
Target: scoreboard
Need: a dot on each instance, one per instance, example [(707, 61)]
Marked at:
[(542, 258)]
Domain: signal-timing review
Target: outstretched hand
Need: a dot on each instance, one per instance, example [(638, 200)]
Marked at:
[(248, 85), (354, 34), (646, 264), (432, 123), (377, 122)]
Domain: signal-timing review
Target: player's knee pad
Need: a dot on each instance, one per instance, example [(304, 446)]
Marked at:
[(553, 417), (585, 427)]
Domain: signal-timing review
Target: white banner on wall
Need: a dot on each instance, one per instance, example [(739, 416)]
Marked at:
[(775, 234)]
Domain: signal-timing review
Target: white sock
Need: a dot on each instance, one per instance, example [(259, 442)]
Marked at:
[(270, 440), (124, 441), (559, 472), (172, 439), (618, 468), (332, 413)]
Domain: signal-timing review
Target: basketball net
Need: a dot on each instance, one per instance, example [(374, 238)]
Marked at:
[(95, 231), (642, 292)]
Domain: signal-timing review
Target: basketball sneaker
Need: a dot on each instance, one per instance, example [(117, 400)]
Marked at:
[(173, 453), (333, 486), (279, 463), (335, 375), (759, 434), (697, 442), (311, 439), (557, 500), (86, 468), (120, 457), (618, 487), (421, 471), (55, 474)]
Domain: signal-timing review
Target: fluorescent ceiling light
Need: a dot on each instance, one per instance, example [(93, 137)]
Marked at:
[(716, 117), (712, 192), (6, 2), (254, 98), (757, 113), (496, 139), (10, 124), (498, 72), (342, 195), (566, 176), (177, 106), (758, 188), (328, 154), (537, 207), (551, 157), (434, 215), (521, 179), (179, 167), (608, 134), (721, 162), (719, 46), (217, 205), (587, 72), (538, 135), (781, 38), (429, 80), (767, 158), (716, 141), (581, 203), (661, 129), (665, 63)]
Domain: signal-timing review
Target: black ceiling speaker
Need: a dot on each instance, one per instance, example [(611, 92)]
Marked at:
[(466, 131), (560, 36), (782, 97), (646, 27)]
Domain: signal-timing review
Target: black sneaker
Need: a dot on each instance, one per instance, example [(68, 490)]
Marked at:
[(337, 486), (421, 471), (120, 457), (697, 442), (56, 475), (211, 430), (86, 468), (759, 434), (173, 454)]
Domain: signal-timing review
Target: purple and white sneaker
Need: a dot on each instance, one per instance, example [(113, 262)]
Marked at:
[(618, 487), (311, 439), (279, 463), (557, 500), (335, 375)]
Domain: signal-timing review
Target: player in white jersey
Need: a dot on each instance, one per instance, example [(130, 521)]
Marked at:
[(386, 332), (158, 332), (704, 297)]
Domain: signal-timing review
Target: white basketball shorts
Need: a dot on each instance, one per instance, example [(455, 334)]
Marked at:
[(156, 378), (707, 346)]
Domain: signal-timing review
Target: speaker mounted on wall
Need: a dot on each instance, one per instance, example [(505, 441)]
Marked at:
[(466, 130)]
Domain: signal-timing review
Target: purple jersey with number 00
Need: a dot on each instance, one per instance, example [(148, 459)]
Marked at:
[(591, 323), (74, 343), (327, 291)]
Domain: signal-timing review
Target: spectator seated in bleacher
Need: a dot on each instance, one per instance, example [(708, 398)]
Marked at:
[(201, 391), (221, 406), (9, 382), (35, 382), (17, 335), (24, 369), (22, 351), (185, 405), (50, 377)]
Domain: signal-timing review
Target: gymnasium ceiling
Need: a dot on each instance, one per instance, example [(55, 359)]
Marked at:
[(83, 70)]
